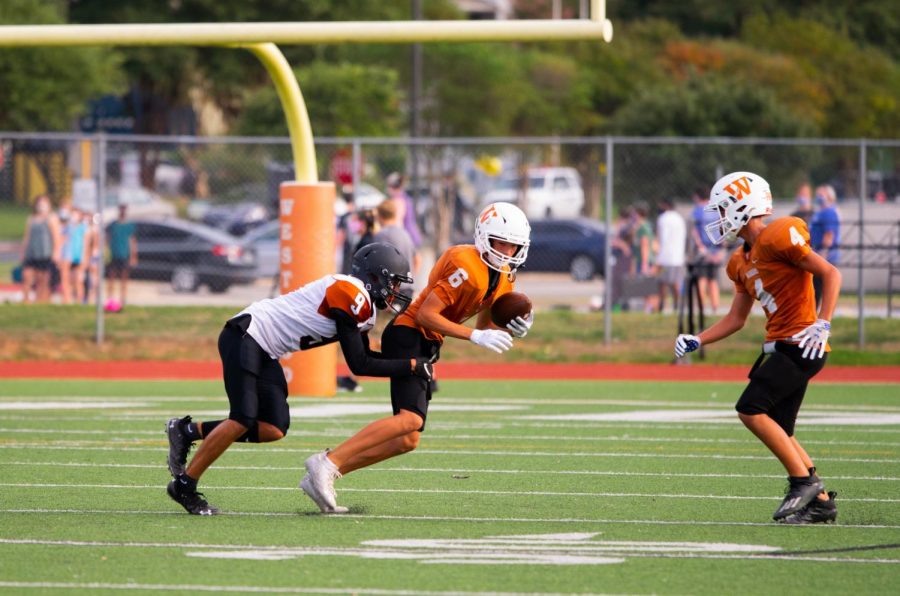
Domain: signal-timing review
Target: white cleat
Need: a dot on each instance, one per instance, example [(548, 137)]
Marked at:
[(318, 483)]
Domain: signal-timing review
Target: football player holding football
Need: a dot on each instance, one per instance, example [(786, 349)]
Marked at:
[(334, 308), (464, 283), (775, 266)]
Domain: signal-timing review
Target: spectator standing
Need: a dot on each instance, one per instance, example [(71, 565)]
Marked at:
[(804, 208), (41, 249), (93, 253), (621, 247), (406, 210), (671, 232), (368, 226), (709, 256), (73, 263), (123, 252), (392, 232), (644, 251), (825, 232), (347, 235)]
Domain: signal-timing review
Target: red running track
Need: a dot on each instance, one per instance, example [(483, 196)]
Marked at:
[(206, 370)]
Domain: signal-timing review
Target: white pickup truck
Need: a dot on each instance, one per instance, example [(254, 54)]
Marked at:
[(551, 192)]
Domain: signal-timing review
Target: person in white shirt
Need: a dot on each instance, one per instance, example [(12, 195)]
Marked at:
[(671, 233), (334, 308)]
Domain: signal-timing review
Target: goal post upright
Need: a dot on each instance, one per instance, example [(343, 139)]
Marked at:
[(305, 236)]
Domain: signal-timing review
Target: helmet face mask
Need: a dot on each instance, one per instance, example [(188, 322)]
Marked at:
[(504, 222), (736, 198), (382, 270)]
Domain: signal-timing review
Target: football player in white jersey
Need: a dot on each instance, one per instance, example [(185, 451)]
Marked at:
[(334, 308)]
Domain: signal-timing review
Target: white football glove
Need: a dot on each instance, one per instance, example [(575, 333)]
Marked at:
[(520, 325), (814, 339), (492, 339), (685, 344)]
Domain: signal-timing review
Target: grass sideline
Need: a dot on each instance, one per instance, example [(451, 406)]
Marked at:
[(499, 498), (56, 332), (12, 221)]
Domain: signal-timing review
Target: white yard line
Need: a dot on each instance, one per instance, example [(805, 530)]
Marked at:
[(439, 435), (337, 551), (454, 471), (439, 425), (76, 446), (409, 518), (430, 491)]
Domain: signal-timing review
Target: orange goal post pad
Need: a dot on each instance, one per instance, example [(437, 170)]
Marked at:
[(306, 253)]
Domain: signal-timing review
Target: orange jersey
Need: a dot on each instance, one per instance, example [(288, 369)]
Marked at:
[(770, 273), (460, 280)]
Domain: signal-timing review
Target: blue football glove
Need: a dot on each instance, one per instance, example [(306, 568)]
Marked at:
[(686, 344)]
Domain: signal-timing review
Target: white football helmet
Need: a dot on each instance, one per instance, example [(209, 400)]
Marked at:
[(502, 221), (736, 198)]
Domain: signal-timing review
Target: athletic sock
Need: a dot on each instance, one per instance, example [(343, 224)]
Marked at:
[(207, 427), (192, 431)]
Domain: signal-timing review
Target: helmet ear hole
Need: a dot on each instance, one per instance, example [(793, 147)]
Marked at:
[(381, 269)]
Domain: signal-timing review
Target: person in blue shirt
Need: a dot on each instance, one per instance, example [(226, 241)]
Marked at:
[(123, 256), (825, 231), (709, 256)]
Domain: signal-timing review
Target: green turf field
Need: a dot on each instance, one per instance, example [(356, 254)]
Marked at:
[(537, 487)]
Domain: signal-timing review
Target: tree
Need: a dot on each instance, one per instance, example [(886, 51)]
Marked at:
[(45, 89), (704, 106), (342, 100), (861, 84)]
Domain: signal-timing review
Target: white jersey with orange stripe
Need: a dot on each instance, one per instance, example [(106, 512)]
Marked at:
[(300, 320)]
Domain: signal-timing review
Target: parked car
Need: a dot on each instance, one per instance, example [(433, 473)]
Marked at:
[(551, 192), (189, 254), (237, 219), (264, 241), (141, 203), (574, 245), (367, 196)]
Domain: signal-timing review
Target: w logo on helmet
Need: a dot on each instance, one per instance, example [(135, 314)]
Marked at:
[(489, 212), (739, 187)]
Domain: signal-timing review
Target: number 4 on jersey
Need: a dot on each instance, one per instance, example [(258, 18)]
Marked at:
[(796, 238)]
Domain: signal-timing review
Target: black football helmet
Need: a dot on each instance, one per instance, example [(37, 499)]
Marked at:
[(382, 269)]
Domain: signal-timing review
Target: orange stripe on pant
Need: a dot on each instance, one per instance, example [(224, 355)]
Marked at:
[(307, 254)]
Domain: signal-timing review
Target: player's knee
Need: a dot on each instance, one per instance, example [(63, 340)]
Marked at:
[(269, 433), (747, 418), (409, 442), (410, 421)]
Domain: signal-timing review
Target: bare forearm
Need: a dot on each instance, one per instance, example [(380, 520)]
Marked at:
[(724, 327), (441, 324), (831, 289)]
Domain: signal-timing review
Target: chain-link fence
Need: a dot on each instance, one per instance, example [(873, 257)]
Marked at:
[(192, 220)]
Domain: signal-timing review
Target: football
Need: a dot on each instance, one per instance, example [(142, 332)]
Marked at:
[(509, 306)]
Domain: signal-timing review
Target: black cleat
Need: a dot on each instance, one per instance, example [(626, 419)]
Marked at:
[(179, 445), (817, 512), (348, 384), (801, 491), (192, 501)]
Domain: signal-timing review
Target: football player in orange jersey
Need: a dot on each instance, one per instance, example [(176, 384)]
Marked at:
[(334, 308), (464, 283), (775, 265)]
